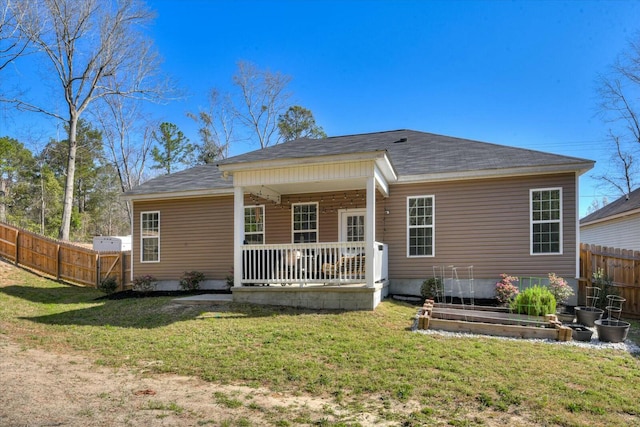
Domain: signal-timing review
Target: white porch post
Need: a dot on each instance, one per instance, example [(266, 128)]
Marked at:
[(238, 234), (370, 233)]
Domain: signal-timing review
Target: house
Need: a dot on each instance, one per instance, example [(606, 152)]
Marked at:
[(342, 221), (615, 225)]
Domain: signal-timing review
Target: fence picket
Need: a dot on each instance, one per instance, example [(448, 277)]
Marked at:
[(61, 260)]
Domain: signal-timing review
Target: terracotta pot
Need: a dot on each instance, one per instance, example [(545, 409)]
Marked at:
[(612, 330), (588, 315)]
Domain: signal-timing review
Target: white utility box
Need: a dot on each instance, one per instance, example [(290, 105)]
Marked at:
[(112, 243)]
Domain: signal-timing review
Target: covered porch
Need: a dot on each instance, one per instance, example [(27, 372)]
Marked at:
[(293, 238)]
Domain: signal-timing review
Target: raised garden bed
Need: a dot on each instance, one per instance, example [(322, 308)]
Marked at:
[(490, 321)]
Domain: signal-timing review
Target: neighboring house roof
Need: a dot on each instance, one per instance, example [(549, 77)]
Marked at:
[(625, 205), (414, 155)]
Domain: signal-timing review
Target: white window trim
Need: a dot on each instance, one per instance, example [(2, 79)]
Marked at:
[(317, 230), (264, 223), (142, 237), (433, 227), (531, 221)]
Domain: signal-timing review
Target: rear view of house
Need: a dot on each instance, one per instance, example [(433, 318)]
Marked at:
[(340, 222)]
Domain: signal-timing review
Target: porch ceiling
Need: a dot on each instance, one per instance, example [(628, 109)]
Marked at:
[(310, 187)]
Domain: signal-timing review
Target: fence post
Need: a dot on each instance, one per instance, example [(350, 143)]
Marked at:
[(98, 271), (17, 246), (123, 273), (58, 262)]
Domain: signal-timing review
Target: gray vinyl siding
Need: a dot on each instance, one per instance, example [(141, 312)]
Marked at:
[(195, 234), (623, 233), (484, 223)]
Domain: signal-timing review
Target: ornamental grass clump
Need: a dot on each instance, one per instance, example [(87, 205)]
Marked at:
[(559, 288), (506, 291), (534, 301)]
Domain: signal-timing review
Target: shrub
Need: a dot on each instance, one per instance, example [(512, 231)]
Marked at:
[(506, 291), (430, 288), (144, 283), (108, 285), (559, 288), (230, 279), (534, 301), (604, 282), (190, 280)]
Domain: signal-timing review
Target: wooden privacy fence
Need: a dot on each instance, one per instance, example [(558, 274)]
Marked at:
[(64, 261), (622, 266)]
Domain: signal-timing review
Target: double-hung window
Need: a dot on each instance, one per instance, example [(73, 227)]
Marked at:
[(254, 225), (546, 221), (304, 222), (420, 226), (150, 236)]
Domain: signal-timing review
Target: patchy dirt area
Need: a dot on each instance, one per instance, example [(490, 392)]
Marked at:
[(41, 388), (46, 389)]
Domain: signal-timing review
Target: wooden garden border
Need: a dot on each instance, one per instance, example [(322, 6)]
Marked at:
[(487, 323)]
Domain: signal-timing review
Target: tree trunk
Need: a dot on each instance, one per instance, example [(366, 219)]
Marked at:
[(67, 208)]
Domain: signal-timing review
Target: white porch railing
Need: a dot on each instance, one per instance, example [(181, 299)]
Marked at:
[(310, 263)]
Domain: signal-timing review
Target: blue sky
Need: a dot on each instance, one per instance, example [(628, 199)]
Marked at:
[(509, 72)]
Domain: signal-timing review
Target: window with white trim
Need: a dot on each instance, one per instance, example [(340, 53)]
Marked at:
[(254, 225), (546, 221), (420, 226), (304, 222), (150, 236)]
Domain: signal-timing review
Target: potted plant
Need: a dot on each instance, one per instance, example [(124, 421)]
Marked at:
[(588, 314), (612, 329)]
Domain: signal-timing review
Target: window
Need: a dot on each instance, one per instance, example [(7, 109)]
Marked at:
[(254, 225), (546, 221), (150, 236), (305, 222), (420, 226)]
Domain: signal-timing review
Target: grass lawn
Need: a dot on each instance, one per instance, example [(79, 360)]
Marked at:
[(365, 361)]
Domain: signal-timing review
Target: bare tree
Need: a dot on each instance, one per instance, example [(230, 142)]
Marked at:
[(95, 49), (619, 92), (12, 42), (216, 128), (263, 99), (127, 142)]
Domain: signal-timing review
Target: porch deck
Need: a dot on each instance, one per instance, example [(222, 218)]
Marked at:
[(352, 296)]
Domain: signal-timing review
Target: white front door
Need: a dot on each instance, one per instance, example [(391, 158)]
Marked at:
[(351, 223)]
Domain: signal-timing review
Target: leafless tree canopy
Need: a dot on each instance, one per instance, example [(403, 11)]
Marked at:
[(215, 127), (264, 98), (619, 93), (12, 42)]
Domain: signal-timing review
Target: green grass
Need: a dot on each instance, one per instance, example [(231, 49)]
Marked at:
[(365, 361)]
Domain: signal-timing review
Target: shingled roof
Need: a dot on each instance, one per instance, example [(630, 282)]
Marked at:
[(415, 153), (411, 153), (626, 203)]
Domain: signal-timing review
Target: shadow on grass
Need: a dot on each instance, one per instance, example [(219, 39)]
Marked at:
[(148, 312), (63, 294)]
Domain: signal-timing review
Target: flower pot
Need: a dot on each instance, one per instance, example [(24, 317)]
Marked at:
[(565, 317), (581, 333), (612, 330), (588, 315)]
